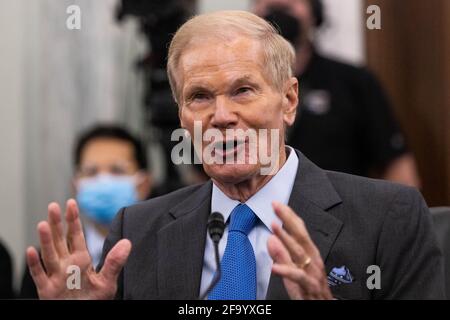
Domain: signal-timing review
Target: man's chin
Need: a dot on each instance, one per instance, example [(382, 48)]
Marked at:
[(232, 173)]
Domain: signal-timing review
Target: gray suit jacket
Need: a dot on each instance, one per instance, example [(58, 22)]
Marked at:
[(354, 222)]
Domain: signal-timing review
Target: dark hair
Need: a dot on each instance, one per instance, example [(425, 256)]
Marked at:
[(111, 132), (317, 9)]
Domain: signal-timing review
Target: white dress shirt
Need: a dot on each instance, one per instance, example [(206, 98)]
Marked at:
[(279, 189), (94, 243)]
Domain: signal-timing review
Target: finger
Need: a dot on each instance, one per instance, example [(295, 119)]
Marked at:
[(309, 286), (295, 226), (115, 260), (49, 255), (278, 251), (36, 270), (75, 235), (296, 251), (56, 227), (280, 255), (315, 268)]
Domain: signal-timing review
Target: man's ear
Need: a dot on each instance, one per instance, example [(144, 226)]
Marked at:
[(290, 101)]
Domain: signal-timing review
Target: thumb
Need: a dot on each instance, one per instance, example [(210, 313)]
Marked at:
[(115, 260)]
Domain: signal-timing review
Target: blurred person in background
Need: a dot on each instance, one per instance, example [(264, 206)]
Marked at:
[(345, 122), (111, 172), (6, 289)]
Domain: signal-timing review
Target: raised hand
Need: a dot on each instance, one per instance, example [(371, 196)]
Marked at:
[(296, 258), (60, 254)]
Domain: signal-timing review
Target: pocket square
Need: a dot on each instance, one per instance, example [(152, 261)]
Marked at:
[(338, 276)]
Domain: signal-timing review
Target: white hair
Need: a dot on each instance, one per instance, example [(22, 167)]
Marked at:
[(278, 53)]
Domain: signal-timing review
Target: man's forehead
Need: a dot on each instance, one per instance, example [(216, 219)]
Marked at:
[(215, 53)]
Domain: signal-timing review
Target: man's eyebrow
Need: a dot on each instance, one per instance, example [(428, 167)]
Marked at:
[(190, 89)]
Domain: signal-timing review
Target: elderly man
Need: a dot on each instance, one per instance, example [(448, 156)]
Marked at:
[(299, 232)]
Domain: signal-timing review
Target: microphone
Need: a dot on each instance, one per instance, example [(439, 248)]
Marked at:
[(216, 227)]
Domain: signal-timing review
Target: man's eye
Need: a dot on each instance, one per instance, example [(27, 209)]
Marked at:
[(199, 96), (118, 170), (243, 90)]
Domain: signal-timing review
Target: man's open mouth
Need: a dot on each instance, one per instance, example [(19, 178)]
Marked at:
[(228, 148)]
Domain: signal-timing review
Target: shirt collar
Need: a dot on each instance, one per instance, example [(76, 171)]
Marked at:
[(278, 188)]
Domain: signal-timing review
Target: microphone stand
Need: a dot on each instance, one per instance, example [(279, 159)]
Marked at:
[(217, 275), (216, 227)]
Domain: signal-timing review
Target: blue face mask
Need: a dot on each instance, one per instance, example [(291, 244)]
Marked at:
[(101, 197)]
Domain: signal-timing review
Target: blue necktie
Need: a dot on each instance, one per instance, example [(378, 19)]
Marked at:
[(238, 281)]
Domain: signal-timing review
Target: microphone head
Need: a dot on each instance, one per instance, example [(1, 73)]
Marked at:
[(216, 226)]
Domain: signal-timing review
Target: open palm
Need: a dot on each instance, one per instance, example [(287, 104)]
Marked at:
[(63, 256)]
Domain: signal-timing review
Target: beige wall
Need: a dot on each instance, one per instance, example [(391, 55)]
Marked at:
[(214, 5), (12, 199), (53, 83), (343, 35)]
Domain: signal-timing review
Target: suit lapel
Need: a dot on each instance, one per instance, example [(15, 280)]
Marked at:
[(181, 246), (312, 197), (322, 226)]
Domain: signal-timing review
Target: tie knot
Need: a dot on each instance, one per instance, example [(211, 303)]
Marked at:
[(243, 219)]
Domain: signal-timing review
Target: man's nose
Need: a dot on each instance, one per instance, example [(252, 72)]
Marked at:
[(224, 116)]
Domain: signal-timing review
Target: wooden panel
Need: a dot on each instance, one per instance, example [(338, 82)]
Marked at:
[(411, 57), (446, 82)]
